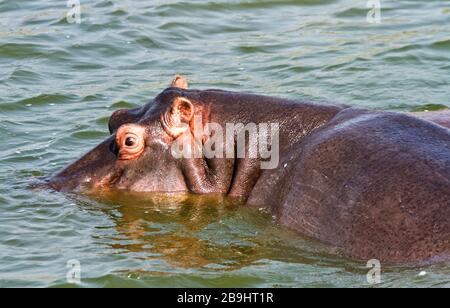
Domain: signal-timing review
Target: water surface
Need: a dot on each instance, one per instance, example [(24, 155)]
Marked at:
[(60, 82)]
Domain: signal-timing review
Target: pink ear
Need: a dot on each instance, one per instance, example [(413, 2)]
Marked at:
[(179, 82), (176, 120)]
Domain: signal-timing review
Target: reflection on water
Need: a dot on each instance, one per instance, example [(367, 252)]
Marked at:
[(142, 221), (191, 231)]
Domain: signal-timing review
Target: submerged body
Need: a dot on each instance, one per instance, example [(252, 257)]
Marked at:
[(376, 185)]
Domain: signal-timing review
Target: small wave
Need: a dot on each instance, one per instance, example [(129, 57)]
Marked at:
[(93, 97), (147, 42), (118, 12), (87, 66), (251, 49), (21, 51), (404, 59), (416, 107), (104, 3), (44, 99), (255, 4), (102, 50), (441, 45), (24, 76), (7, 6), (122, 104), (89, 135), (429, 107), (360, 12)]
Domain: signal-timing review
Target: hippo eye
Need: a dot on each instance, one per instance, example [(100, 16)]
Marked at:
[(130, 141)]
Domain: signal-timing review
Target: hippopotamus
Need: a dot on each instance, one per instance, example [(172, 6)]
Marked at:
[(370, 184)]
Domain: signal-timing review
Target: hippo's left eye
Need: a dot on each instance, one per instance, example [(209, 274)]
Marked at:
[(130, 141)]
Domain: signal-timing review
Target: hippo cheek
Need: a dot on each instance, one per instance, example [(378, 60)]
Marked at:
[(149, 173)]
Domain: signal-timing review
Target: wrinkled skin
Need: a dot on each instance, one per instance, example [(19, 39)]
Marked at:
[(375, 185)]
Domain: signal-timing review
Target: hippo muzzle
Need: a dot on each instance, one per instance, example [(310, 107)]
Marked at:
[(89, 171)]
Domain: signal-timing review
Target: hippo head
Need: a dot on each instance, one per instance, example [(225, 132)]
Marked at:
[(137, 156)]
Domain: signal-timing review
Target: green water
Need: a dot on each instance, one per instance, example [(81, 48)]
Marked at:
[(60, 82)]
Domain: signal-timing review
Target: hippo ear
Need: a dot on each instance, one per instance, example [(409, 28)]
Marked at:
[(176, 120), (179, 82)]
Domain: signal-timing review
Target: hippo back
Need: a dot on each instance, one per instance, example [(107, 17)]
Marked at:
[(376, 185)]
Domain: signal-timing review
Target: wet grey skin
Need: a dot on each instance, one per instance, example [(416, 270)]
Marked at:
[(371, 184)]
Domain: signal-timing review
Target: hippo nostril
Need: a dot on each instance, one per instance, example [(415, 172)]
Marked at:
[(113, 148)]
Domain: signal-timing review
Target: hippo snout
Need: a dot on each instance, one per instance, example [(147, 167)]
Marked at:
[(89, 171)]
